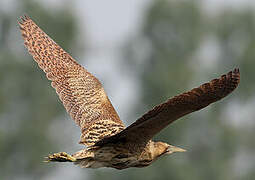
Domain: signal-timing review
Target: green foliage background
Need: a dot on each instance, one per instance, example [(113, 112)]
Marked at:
[(169, 55)]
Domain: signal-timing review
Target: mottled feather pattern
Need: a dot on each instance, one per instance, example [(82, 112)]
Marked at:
[(101, 129), (200, 97), (81, 93), (162, 115)]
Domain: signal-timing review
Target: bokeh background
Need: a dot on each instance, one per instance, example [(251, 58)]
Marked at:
[(143, 52)]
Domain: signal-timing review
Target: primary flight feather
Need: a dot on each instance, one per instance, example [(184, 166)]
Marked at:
[(109, 143)]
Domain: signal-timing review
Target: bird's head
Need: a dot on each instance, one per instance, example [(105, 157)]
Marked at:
[(154, 151), (161, 148)]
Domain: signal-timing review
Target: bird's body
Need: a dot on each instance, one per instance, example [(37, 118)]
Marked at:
[(119, 156), (115, 156), (109, 143)]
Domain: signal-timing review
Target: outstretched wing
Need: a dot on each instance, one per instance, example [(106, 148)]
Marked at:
[(81, 93), (162, 115)]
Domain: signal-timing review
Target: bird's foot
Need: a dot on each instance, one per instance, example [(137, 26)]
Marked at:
[(60, 157)]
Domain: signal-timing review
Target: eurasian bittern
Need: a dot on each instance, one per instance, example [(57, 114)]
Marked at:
[(109, 143)]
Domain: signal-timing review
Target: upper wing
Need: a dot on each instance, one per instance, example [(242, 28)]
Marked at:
[(81, 93), (162, 115)]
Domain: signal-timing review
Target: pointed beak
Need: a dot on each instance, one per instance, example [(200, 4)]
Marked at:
[(172, 149)]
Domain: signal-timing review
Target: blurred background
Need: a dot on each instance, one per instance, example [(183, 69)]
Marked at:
[(143, 52)]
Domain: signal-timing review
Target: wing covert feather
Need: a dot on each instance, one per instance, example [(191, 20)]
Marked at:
[(80, 92), (162, 115)]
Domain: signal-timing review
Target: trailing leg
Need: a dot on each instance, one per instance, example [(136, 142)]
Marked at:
[(60, 157)]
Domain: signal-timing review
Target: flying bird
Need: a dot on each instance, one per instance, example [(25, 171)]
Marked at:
[(108, 143)]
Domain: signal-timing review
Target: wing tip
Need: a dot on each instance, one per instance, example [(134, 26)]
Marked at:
[(235, 76), (22, 19), (228, 82), (236, 73)]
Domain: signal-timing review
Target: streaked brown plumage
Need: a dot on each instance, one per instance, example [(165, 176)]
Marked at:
[(109, 143)]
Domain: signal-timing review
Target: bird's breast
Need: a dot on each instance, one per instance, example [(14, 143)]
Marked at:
[(112, 156)]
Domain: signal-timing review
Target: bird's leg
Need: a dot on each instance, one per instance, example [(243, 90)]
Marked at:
[(60, 157)]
